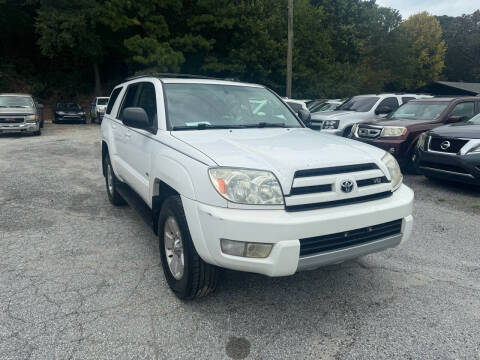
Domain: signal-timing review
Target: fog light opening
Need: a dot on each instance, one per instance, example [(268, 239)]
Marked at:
[(245, 249)]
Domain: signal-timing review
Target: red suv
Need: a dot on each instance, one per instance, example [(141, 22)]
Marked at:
[(399, 132)]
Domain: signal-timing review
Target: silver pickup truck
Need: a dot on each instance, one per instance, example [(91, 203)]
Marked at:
[(20, 113)]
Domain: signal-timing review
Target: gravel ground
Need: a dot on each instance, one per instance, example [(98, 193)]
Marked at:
[(81, 279)]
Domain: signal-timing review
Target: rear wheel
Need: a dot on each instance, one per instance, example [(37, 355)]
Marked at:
[(111, 183), (187, 274)]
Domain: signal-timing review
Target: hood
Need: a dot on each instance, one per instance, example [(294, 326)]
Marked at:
[(340, 115), (70, 112), (282, 151), (16, 111), (101, 107), (458, 130), (400, 122)]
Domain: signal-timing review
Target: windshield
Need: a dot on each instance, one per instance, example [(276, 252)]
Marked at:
[(68, 106), (326, 107), (475, 120), (16, 102), (359, 103), (419, 110), (193, 106), (102, 101)]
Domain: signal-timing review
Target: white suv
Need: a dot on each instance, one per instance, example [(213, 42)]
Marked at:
[(228, 186)]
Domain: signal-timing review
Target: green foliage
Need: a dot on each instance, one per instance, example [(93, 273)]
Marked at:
[(341, 47), (462, 36), (422, 51)]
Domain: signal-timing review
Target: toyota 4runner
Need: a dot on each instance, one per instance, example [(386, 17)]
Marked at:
[(226, 183)]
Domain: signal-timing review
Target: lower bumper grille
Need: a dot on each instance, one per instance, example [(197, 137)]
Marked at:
[(444, 167), (350, 238), (4, 120)]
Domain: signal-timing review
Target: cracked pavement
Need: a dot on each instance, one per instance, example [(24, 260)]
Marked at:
[(80, 279)]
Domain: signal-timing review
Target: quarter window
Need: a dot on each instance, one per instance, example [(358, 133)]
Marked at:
[(148, 101), (113, 98)]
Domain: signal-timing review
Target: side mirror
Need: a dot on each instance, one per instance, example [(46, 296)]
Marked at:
[(383, 110), (305, 116), (455, 119), (136, 117)]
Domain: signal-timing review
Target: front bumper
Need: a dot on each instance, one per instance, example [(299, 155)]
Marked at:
[(462, 168), (21, 127), (72, 118), (396, 147), (209, 224)]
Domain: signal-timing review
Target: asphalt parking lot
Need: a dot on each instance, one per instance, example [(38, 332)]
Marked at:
[(81, 279)]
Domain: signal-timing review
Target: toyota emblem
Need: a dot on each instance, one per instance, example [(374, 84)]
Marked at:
[(346, 186), (445, 145)]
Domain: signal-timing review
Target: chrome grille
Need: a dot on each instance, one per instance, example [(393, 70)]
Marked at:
[(370, 132), (320, 188)]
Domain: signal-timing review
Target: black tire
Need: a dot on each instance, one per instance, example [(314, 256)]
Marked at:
[(347, 131), (199, 278), (38, 132), (111, 183), (412, 165)]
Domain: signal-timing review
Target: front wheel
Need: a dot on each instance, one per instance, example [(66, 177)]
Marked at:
[(187, 274)]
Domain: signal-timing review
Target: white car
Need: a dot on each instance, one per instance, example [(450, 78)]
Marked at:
[(226, 184), (97, 109), (361, 108)]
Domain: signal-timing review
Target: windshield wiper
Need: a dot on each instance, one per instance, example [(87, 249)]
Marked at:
[(204, 127), (264, 125)]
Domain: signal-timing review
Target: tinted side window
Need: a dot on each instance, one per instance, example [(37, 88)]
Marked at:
[(391, 102), (113, 98), (406, 99), (130, 98), (147, 100), (466, 109)]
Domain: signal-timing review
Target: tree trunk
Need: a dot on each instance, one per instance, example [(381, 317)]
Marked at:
[(98, 83), (290, 48)]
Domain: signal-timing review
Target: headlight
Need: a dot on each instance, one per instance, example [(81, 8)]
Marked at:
[(475, 150), (252, 187), (60, 113), (422, 140), (394, 170), (330, 124), (30, 118), (393, 131)]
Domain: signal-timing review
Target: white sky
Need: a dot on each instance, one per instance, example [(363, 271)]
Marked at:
[(434, 7)]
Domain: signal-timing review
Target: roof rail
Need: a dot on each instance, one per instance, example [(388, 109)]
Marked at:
[(169, 75)]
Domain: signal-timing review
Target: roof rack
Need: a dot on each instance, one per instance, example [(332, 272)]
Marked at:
[(170, 75)]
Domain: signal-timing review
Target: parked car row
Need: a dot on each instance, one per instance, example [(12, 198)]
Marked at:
[(23, 113), (436, 136)]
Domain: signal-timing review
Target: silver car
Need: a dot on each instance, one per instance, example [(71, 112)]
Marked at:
[(20, 113)]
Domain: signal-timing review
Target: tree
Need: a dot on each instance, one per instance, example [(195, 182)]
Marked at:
[(462, 36), (70, 28), (420, 52), (148, 36)]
